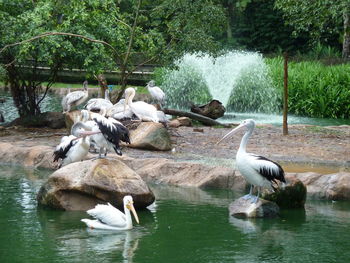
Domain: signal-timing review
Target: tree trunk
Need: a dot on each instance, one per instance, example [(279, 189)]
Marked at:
[(230, 15), (346, 41), (103, 83)]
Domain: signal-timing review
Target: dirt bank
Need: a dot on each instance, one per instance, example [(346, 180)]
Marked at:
[(329, 146)]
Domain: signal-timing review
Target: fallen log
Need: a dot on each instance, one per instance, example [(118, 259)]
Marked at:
[(194, 116)]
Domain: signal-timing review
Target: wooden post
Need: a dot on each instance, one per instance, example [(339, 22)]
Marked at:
[(285, 95)]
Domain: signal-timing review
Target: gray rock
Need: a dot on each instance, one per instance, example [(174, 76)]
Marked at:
[(246, 209), (325, 186), (82, 185), (165, 171), (150, 136)]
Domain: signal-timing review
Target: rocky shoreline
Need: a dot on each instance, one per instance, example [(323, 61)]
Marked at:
[(196, 161)]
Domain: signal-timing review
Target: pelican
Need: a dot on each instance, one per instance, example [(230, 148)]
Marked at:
[(97, 104), (257, 170), (156, 92), (142, 110), (75, 98), (118, 112), (110, 218), (105, 132), (72, 148)]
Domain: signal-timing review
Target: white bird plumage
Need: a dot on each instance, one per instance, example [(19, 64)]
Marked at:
[(72, 148), (142, 110), (96, 104), (119, 111), (75, 98), (110, 218), (257, 170), (156, 92), (105, 132)]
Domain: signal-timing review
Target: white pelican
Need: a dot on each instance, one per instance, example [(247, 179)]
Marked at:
[(110, 218), (72, 148), (156, 92), (142, 110), (257, 170), (118, 112), (105, 132), (75, 98), (97, 104)]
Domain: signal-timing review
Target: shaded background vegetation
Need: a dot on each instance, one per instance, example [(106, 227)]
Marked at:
[(161, 31)]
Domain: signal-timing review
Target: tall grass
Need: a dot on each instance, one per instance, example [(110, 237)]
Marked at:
[(315, 90)]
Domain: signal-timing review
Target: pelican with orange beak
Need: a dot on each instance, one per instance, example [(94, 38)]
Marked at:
[(108, 217)]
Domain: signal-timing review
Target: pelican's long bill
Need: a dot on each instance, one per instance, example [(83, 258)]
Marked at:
[(232, 132), (130, 206)]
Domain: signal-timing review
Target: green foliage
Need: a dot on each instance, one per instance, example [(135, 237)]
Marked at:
[(183, 86), (320, 19), (260, 27), (315, 90)]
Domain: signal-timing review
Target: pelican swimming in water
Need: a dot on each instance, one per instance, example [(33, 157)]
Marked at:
[(72, 148), (105, 132), (257, 170), (75, 98), (156, 92), (142, 110), (110, 218), (97, 104)]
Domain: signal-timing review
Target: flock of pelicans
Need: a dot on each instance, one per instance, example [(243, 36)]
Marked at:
[(104, 130)]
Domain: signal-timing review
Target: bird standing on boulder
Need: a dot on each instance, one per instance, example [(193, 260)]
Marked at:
[(105, 132), (257, 170), (75, 98), (142, 110), (72, 148)]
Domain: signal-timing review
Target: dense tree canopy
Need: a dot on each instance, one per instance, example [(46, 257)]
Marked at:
[(322, 19), (132, 32)]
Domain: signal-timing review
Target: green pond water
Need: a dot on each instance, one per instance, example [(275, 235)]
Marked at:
[(185, 225)]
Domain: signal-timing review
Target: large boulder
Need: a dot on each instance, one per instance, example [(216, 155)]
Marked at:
[(34, 156), (189, 174), (324, 186), (70, 118), (244, 208), (82, 185), (150, 136)]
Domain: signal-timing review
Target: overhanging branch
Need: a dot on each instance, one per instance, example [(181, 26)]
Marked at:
[(58, 34)]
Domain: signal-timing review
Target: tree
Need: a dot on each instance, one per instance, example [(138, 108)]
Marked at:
[(320, 18), (96, 36)]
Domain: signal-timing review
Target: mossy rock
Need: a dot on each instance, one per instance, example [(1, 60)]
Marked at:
[(292, 196)]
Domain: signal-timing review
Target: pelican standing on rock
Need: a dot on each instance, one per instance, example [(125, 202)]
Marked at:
[(97, 104), (75, 98), (110, 218), (156, 92), (105, 132), (257, 170), (72, 148), (142, 110)]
